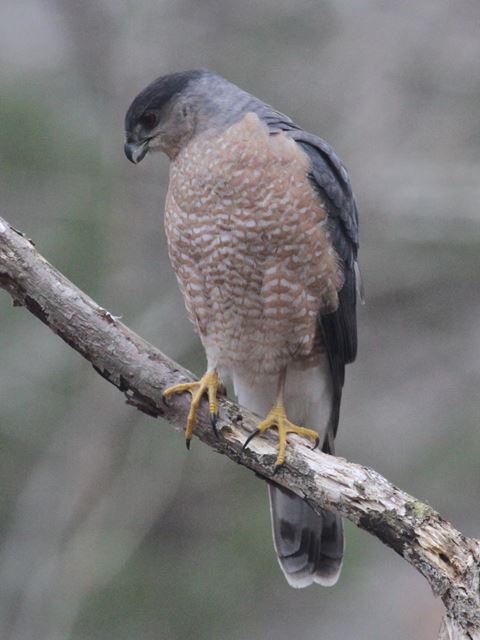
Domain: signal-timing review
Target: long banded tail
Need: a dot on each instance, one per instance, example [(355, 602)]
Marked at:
[(309, 546)]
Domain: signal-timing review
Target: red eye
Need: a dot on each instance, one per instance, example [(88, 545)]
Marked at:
[(149, 120)]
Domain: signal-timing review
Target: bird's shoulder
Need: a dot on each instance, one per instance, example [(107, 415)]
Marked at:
[(327, 174), (246, 149)]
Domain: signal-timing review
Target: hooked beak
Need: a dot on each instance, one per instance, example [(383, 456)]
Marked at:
[(136, 152)]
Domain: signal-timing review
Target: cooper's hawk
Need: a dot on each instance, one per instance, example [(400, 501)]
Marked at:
[(262, 231)]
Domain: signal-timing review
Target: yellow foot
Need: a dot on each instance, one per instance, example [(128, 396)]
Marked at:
[(278, 418), (209, 384)]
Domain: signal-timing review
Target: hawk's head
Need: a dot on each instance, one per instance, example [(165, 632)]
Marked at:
[(163, 116)]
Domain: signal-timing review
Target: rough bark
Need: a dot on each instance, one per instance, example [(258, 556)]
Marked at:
[(449, 561)]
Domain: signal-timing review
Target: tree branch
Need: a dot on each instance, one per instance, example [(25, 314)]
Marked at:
[(448, 560)]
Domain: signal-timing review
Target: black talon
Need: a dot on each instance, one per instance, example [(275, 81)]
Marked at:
[(277, 467), (187, 442), (250, 438), (316, 443), (214, 420)]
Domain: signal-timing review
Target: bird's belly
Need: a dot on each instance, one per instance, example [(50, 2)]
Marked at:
[(253, 308)]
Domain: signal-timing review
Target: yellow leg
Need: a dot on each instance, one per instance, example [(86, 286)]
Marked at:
[(209, 383), (277, 417)]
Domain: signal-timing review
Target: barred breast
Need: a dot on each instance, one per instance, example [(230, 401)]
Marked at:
[(249, 243)]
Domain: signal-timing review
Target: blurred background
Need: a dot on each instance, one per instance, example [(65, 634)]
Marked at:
[(108, 528)]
